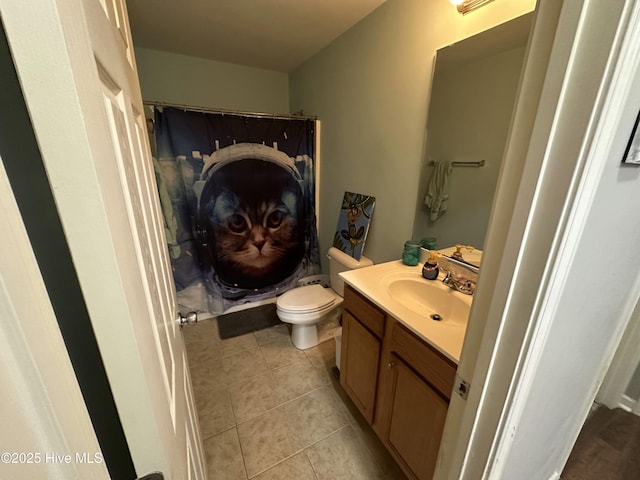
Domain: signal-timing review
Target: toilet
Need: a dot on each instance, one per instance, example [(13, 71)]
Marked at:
[(314, 310)]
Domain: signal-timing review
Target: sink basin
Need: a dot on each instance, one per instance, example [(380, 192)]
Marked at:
[(432, 300)]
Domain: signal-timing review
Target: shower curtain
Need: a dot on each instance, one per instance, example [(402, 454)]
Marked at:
[(238, 199)]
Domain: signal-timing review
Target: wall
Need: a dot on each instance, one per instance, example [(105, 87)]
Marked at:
[(180, 79), (633, 389), (469, 115), (621, 385), (370, 88)]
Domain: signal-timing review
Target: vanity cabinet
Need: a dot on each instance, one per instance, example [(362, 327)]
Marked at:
[(401, 384), (415, 384), (415, 419), (362, 330)]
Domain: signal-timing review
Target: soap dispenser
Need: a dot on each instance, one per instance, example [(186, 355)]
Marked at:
[(430, 268), (458, 254)]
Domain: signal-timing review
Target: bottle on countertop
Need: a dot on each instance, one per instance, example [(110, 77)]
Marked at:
[(430, 268)]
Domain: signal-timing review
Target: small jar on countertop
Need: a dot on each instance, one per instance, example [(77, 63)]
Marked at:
[(430, 243), (411, 253)]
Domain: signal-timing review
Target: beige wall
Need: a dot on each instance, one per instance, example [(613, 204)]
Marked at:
[(179, 79), (370, 89)]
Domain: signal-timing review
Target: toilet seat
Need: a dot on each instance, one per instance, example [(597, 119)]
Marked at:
[(307, 299)]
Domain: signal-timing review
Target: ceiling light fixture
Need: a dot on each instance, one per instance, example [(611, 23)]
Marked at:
[(467, 6)]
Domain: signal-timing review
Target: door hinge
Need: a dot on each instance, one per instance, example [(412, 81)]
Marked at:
[(461, 387)]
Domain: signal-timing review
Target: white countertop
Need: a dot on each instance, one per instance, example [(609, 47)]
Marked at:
[(370, 282)]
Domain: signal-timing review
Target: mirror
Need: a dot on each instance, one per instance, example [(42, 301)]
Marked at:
[(472, 97)]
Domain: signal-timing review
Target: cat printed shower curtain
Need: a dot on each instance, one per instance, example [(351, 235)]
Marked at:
[(238, 199)]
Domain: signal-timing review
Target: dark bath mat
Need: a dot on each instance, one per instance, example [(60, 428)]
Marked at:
[(247, 321)]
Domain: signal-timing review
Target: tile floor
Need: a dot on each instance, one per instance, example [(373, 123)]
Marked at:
[(269, 411)]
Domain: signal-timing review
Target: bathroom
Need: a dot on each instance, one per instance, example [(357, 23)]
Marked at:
[(357, 138), (357, 158)]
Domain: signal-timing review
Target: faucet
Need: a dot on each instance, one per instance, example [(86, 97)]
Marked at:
[(459, 276), (459, 283)]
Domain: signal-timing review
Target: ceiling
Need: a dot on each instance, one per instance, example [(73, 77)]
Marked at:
[(270, 34)]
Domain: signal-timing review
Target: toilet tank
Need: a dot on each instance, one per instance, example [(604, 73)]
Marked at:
[(341, 262)]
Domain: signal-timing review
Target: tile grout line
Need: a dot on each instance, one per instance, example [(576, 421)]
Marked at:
[(313, 469), (244, 461)]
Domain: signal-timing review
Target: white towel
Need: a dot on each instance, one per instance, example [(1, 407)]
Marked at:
[(438, 190)]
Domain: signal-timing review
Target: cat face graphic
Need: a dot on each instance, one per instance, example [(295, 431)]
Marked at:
[(252, 213)]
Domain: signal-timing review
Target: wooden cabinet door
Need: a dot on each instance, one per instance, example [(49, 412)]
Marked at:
[(416, 420), (360, 356)]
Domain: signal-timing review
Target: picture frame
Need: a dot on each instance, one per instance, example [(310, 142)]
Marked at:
[(632, 152), (354, 220)]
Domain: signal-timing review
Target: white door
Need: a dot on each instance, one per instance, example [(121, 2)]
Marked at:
[(76, 65), (42, 406)]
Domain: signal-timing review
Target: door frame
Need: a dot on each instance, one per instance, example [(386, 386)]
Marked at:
[(573, 105)]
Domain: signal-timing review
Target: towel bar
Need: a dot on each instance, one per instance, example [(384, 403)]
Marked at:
[(479, 163)]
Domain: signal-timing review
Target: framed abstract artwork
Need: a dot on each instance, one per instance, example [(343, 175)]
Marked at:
[(353, 223), (632, 152)]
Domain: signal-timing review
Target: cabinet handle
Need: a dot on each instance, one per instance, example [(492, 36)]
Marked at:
[(390, 364)]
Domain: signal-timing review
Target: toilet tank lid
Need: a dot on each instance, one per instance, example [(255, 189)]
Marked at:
[(347, 260)]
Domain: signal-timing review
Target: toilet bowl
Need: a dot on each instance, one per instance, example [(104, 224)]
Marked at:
[(314, 311), (307, 307)]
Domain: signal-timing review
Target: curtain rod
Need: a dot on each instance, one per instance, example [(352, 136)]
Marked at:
[(295, 116), (479, 163)]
